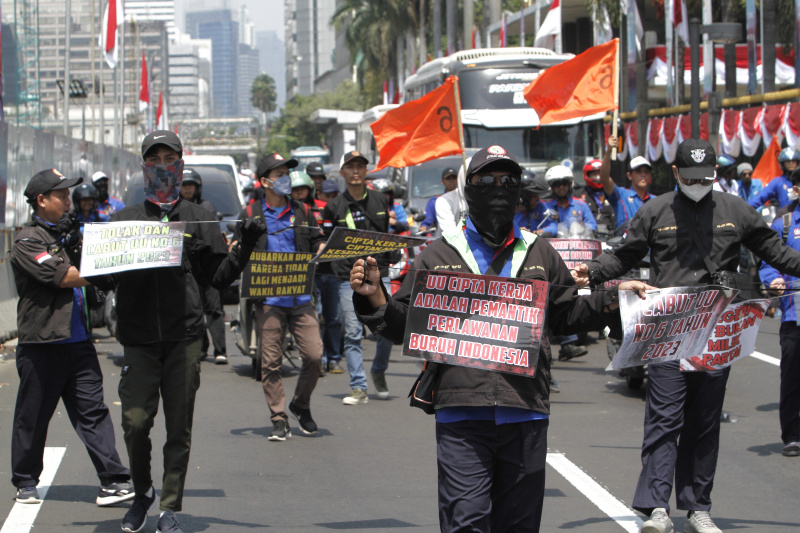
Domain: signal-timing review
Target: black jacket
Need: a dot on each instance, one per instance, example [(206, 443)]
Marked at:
[(306, 240), (376, 207), (44, 310), (721, 223), (163, 304), (567, 313)]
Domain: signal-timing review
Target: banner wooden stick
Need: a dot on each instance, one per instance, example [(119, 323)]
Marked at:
[(460, 126), (615, 119)]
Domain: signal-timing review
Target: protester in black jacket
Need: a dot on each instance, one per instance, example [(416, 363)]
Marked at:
[(694, 236), (488, 421), (56, 358), (160, 323)]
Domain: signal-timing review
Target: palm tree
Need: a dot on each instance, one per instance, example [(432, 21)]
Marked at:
[(263, 94)]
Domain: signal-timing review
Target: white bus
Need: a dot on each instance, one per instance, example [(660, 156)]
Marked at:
[(365, 141), (494, 111)]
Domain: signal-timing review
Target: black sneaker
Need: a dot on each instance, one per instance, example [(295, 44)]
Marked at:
[(571, 351), (136, 517), (28, 495), (303, 416), (114, 493), (280, 431), (167, 523)]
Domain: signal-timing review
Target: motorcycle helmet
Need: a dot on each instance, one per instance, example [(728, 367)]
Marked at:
[(558, 173), (381, 185), (592, 166), (726, 164), (84, 190), (302, 179), (788, 154)]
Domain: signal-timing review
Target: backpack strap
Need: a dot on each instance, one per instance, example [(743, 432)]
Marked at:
[(787, 221)]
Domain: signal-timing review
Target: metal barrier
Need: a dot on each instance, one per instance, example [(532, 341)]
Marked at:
[(25, 151)]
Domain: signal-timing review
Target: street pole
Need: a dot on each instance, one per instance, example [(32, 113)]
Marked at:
[(91, 60), (694, 46), (68, 30)]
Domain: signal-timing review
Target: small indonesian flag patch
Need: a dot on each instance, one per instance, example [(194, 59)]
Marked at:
[(42, 257)]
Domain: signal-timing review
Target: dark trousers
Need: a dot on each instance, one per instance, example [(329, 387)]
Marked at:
[(790, 383), (681, 437), (72, 373), (173, 370), (491, 478), (330, 308), (215, 320)]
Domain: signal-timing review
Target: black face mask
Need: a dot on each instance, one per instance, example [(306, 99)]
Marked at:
[(102, 191), (492, 210)]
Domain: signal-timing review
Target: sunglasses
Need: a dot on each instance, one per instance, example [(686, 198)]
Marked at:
[(487, 181), (562, 183)]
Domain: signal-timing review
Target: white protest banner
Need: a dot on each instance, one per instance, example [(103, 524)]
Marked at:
[(119, 246), (672, 323), (734, 337)]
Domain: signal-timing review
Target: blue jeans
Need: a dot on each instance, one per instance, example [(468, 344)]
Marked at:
[(353, 330), (329, 307), (566, 339)]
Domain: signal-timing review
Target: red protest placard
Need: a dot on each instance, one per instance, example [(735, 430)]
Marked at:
[(485, 322)]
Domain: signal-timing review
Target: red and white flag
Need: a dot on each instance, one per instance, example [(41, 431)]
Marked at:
[(109, 33), (161, 115), (144, 89), (681, 20), (550, 29)]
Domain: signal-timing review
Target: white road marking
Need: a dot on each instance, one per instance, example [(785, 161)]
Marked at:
[(22, 515), (615, 509), (766, 358)]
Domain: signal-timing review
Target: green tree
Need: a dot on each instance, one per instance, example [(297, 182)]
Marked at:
[(263, 94)]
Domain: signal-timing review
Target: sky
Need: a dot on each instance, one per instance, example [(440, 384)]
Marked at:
[(267, 14)]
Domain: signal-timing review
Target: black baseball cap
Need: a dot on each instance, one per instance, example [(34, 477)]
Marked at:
[(696, 160), (349, 156), (273, 160), (315, 169), (190, 175), (496, 156), (449, 171), (328, 186), (48, 180), (167, 138)]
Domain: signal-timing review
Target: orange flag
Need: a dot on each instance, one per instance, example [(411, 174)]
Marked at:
[(581, 86), (768, 166), (420, 130)]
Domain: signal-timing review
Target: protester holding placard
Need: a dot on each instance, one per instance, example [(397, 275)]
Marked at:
[(491, 427), (359, 208), (788, 227), (160, 325), (56, 358), (694, 237), (292, 228)]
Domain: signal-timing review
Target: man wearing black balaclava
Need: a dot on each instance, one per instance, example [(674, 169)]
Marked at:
[(491, 427)]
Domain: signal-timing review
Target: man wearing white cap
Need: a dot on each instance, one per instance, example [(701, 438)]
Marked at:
[(626, 202)]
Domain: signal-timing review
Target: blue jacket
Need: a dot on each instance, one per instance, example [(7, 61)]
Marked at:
[(777, 189), (626, 203), (768, 273), (402, 219), (534, 217), (430, 213), (755, 187), (576, 210)]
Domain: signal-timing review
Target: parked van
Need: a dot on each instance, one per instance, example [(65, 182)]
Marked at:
[(224, 163)]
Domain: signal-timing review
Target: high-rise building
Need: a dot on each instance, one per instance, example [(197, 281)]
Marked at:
[(248, 70), (189, 77), (222, 30), (272, 61), (163, 10)]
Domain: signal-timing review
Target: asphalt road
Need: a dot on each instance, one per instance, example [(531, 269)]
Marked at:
[(373, 467)]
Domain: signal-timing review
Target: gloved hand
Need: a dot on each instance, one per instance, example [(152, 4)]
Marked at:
[(251, 230), (72, 238)]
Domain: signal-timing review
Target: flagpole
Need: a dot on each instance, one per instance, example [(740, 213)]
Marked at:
[(460, 127), (615, 118)]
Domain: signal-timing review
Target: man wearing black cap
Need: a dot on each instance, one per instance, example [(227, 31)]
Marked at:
[(694, 237), (292, 228), (491, 427), (317, 173), (450, 182), (359, 208), (56, 358), (160, 324)]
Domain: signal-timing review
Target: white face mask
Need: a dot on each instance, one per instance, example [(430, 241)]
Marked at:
[(791, 195), (694, 192)]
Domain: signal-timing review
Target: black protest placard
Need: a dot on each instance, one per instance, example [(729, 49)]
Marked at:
[(575, 252), (484, 322), (278, 274), (345, 243), (673, 323)]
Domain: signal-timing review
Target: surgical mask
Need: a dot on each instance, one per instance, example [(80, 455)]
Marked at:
[(282, 186), (492, 211), (791, 195), (694, 192), (162, 184)]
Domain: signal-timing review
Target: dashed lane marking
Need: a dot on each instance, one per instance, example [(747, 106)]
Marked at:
[(22, 515), (615, 509), (766, 358)]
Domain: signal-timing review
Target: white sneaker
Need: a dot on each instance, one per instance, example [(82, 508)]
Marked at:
[(358, 396), (659, 522), (700, 522)]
